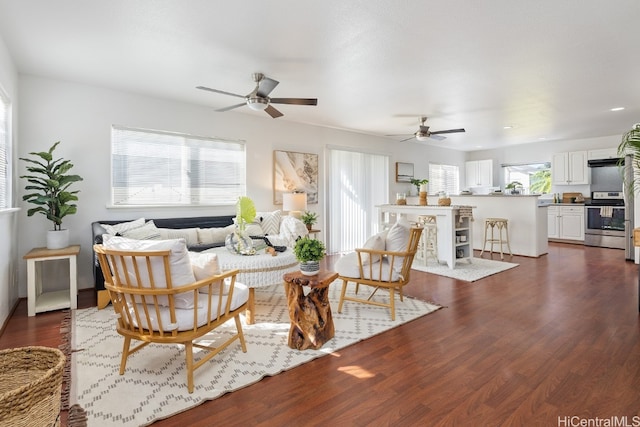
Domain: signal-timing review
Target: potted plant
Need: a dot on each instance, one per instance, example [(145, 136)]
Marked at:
[(309, 252), (630, 145), (421, 185), (514, 186), (49, 183), (309, 218), (237, 242)]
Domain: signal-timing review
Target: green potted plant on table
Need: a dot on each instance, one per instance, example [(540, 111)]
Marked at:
[(514, 186), (421, 184), (49, 183), (309, 252), (238, 242), (309, 218)]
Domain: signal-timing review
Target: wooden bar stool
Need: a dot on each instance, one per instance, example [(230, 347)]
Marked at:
[(429, 240), (500, 224)]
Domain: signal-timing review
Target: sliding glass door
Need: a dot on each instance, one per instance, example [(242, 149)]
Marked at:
[(357, 183)]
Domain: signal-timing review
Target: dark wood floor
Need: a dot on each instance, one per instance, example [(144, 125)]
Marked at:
[(558, 336)]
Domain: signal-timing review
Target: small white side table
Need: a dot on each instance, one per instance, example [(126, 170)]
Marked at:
[(38, 301)]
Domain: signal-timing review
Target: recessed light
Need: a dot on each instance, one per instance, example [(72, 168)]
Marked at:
[(617, 109), (508, 127), (542, 138)]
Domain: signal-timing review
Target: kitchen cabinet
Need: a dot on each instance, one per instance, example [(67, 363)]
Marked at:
[(603, 153), (479, 173), (565, 222), (570, 168)]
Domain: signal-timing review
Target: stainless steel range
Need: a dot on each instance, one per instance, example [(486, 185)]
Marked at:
[(607, 223)]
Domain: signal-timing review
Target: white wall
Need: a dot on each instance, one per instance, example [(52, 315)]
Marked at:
[(9, 260), (81, 117)]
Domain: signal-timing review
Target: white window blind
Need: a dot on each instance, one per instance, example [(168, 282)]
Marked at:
[(164, 168), (357, 183), (5, 184), (444, 178)]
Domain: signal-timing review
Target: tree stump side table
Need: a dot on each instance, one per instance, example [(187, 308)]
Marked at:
[(311, 320)]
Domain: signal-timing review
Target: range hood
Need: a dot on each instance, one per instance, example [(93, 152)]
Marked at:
[(598, 163)]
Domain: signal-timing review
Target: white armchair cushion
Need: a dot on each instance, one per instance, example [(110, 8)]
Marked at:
[(375, 242), (205, 265), (347, 266), (180, 265), (184, 318), (398, 240)]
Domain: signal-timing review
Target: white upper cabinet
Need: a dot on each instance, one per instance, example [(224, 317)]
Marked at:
[(603, 153), (570, 168), (479, 173)]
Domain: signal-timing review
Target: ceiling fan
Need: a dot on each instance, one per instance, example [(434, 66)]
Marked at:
[(259, 99), (424, 134)]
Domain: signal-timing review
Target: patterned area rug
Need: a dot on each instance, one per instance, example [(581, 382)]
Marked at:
[(468, 272), (154, 384)]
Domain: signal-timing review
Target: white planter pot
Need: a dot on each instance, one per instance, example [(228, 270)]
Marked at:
[(310, 268), (57, 239), (423, 188)]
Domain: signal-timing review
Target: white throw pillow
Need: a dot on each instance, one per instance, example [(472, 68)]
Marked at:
[(123, 226), (291, 229), (270, 221), (398, 240), (253, 229), (179, 262), (205, 265), (375, 242), (209, 236), (146, 232), (188, 234)]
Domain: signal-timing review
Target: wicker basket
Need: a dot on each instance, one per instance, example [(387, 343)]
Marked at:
[(444, 201), (30, 386)]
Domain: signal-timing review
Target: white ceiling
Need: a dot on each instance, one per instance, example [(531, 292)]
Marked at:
[(551, 69)]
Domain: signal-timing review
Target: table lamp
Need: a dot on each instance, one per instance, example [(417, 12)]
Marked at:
[(295, 203)]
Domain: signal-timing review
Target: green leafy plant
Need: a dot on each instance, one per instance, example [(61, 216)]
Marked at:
[(245, 212), (418, 182), (630, 145), (50, 183), (309, 218), (308, 249), (513, 185)]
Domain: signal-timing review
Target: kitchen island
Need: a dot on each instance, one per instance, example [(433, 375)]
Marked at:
[(454, 228), (527, 220)]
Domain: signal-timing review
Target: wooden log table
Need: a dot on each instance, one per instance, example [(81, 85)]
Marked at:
[(311, 321)]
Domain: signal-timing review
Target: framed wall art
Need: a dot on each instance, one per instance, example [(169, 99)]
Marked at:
[(295, 172)]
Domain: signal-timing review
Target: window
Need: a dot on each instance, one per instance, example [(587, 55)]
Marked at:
[(163, 168), (5, 177), (444, 178), (535, 178), (357, 182)]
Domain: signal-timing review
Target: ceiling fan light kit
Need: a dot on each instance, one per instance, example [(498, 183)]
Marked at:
[(258, 99)]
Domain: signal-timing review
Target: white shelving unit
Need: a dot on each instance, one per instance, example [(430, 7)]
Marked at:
[(449, 227)]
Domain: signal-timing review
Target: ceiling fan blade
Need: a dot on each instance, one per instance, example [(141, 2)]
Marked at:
[(295, 101), (448, 131), (273, 112), (411, 137), (265, 86), (231, 107), (220, 91)]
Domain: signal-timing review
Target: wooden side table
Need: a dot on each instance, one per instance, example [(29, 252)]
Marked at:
[(311, 320), (315, 232), (38, 301)]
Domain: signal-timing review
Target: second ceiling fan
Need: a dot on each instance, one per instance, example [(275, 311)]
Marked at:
[(424, 134), (259, 99)]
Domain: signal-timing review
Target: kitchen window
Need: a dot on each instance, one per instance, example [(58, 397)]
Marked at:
[(444, 178), (156, 168), (534, 177)]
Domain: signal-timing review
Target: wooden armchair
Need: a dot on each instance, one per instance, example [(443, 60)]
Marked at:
[(151, 309), (380, 269)]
